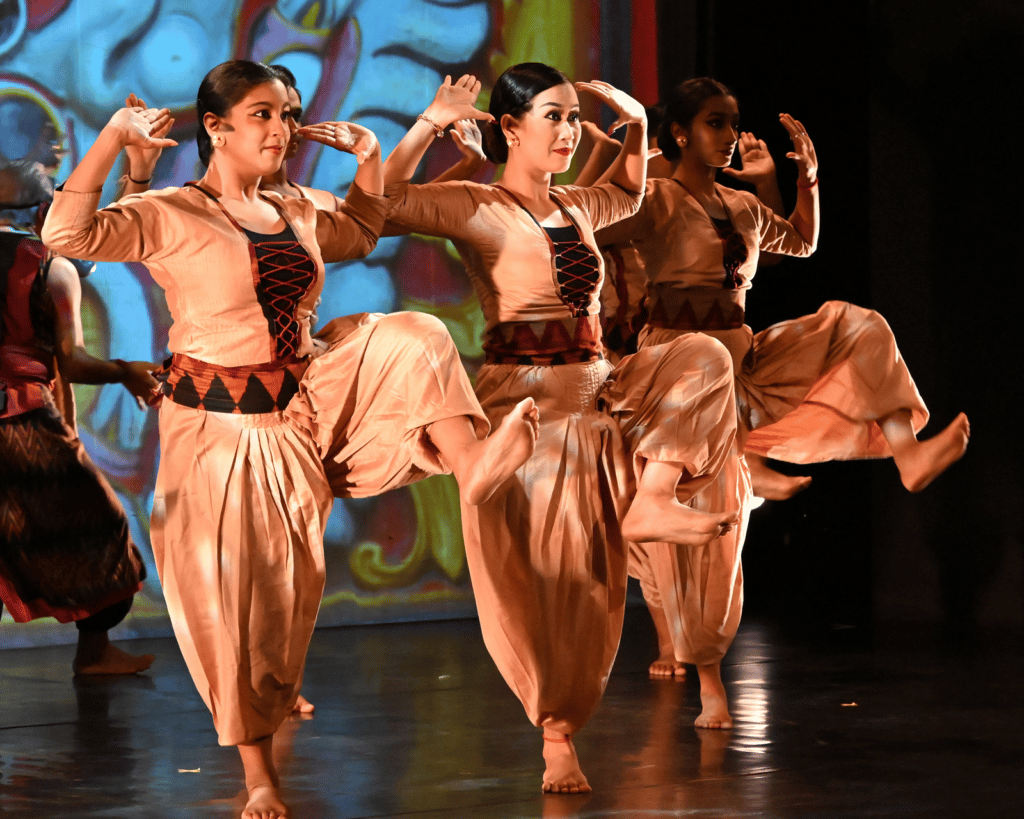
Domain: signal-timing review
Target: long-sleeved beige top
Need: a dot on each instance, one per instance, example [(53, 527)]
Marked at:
[(507, 254), (679, 246), (205, 264)]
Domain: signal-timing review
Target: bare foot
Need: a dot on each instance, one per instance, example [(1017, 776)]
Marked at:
[(667, 666), (562, 774), (715, 713), (772, 485), (112, 661), (264, 803), (303, 706), (922, 463), (494, 459), (663, 519)]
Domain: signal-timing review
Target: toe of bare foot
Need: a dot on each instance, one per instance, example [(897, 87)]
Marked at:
[(667, 667), (303, 706), (713, 722)]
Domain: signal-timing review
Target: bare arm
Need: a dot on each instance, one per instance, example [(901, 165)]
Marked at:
[(602, 155), (73, 361), (453, 101), (805, 217), (629, 169)]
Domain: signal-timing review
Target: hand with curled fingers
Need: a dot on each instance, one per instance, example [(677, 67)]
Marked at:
[(467, 137), (139, 381), (144, 128), (142, 160), (627, 110), (803, 153), (455, 101), (756, 164), (344, 136)]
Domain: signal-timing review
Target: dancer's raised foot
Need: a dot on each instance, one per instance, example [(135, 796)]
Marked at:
[(265, 803), (772, 485), (663, 519), (562, 773), (667, 666), (303, 706), (491, 462), (921, 463), (109, 659), (713, 699)]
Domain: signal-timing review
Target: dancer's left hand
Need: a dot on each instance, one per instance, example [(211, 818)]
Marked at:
[(467, 137), (344, 136), (803, 151), (756, 164), (627, 109)]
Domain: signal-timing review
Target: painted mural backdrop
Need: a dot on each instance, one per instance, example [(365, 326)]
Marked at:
[(66, 65)]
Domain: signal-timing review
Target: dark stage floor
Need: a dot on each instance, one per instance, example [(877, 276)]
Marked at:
[(414, 721)]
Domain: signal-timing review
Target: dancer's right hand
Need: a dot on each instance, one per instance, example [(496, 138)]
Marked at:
[(137, 126), (454, 101), (142, 160)]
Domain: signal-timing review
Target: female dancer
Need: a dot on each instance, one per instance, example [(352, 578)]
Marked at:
[(827, 386), (263, 423), (65, 548), (547, 552)]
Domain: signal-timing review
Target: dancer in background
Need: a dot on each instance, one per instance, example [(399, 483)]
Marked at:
[(831, 386), (547, 553), (262, 423), (65, 547)]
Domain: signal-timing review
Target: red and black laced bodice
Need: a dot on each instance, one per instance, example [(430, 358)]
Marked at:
[(576, 268), (285, 273)]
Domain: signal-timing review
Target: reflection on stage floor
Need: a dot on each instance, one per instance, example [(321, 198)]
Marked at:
[(412, 720)]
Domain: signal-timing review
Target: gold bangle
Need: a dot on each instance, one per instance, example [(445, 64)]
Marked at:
[(438, 131)]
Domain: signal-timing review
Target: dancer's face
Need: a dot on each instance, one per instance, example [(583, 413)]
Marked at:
[(549, 133), (255, 133), (294, 121), (712, 136)]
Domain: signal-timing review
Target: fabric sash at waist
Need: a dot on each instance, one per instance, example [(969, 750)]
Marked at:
[(569, 340), (696, 309), (247, 390)]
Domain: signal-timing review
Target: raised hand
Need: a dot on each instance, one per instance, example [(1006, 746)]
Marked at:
[(599, 137), (344, 136), (141, 160), (467, 137), (756, 164), (627, 109), (142, 127), (454, 101), (803, 151)]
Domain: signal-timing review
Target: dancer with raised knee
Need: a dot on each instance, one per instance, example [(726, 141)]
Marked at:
[(831, 386), (261, 424), (618, 445)]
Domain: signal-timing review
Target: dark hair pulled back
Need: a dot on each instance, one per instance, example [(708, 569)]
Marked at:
[(683, 104), (513, 95), (221, 89)]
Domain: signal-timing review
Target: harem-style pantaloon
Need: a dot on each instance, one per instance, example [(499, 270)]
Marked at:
[(545, 553), (242, 500), (808, 390)]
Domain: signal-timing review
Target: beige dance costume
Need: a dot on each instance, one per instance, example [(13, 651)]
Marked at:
[(258, 431), (545, 553), (808, 390)]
